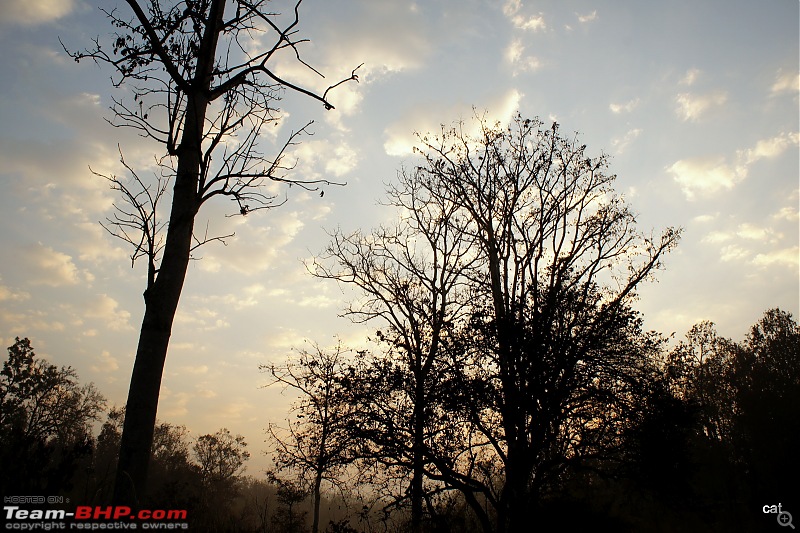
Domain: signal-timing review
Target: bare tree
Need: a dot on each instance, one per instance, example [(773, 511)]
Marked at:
[(318, 438), (413, 277), (553, 333), (204, 94), (506, 287)]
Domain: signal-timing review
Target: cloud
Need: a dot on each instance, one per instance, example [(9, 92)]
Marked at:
[(690, 77), (733, 252), (387, 37), (13, 295), (627, 107), (337, 159), (583, 19), (105, 363), (785, 257), (258, 242), (173, 405), (705, 218), (754, 233), (787, 213), (620, 144), (33, 12), (786, 82), (512, 8), (46, 266), (105, 308), (519, 62), (400, 138), (703, 176), (768, 148), (692, 107)]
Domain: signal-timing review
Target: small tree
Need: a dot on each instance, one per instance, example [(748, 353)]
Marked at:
[(413, 278), (318, 441), (204, 96), (45, 421), (221, 457)]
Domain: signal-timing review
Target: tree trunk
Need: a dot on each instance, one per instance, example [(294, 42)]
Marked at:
[(417, 459), (163, 293), (317, 500), (161, 303)]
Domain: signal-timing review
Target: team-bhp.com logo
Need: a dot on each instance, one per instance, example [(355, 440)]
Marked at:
[(95, 517), (784, 517)]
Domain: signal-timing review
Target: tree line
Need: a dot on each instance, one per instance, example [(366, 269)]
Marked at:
[(711, 437)]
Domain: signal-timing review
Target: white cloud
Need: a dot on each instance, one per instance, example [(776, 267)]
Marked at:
[(620, 144), (786, 82), (257, 243), (787, 213), (519, 62), (692, 107), (46, 266), (400, 137), (768, 148), (787, 257), (705, 176), (533, 23), (512, 8), (12, 295), (705, 218), (583, 19), (105, 308), (387, 37), (105, 363), (32, 12), (690, 77), (717, 237), (733, 252), (626, 107), (753, 233), (337, 158)]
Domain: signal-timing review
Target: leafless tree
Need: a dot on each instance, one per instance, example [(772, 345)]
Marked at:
[(204, 93), (553, 331), (318, 440), (413, 280)]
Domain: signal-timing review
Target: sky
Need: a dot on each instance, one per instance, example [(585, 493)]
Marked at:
[(695, 102)]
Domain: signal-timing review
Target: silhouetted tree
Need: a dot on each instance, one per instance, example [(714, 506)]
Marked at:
[(221, 457), (45, 422), (204, 96), (765, 383), (289, 494), (414, 279), (550, 258), (318, 441)]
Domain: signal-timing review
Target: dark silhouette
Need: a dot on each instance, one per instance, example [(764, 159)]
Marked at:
[(318, 441), (415, 280), (46, 422), (195, 88), (506, 289)]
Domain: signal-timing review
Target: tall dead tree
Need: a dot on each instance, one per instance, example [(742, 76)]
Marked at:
[(204, 93)]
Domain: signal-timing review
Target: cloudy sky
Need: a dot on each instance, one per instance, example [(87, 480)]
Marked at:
[(696, 102)]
